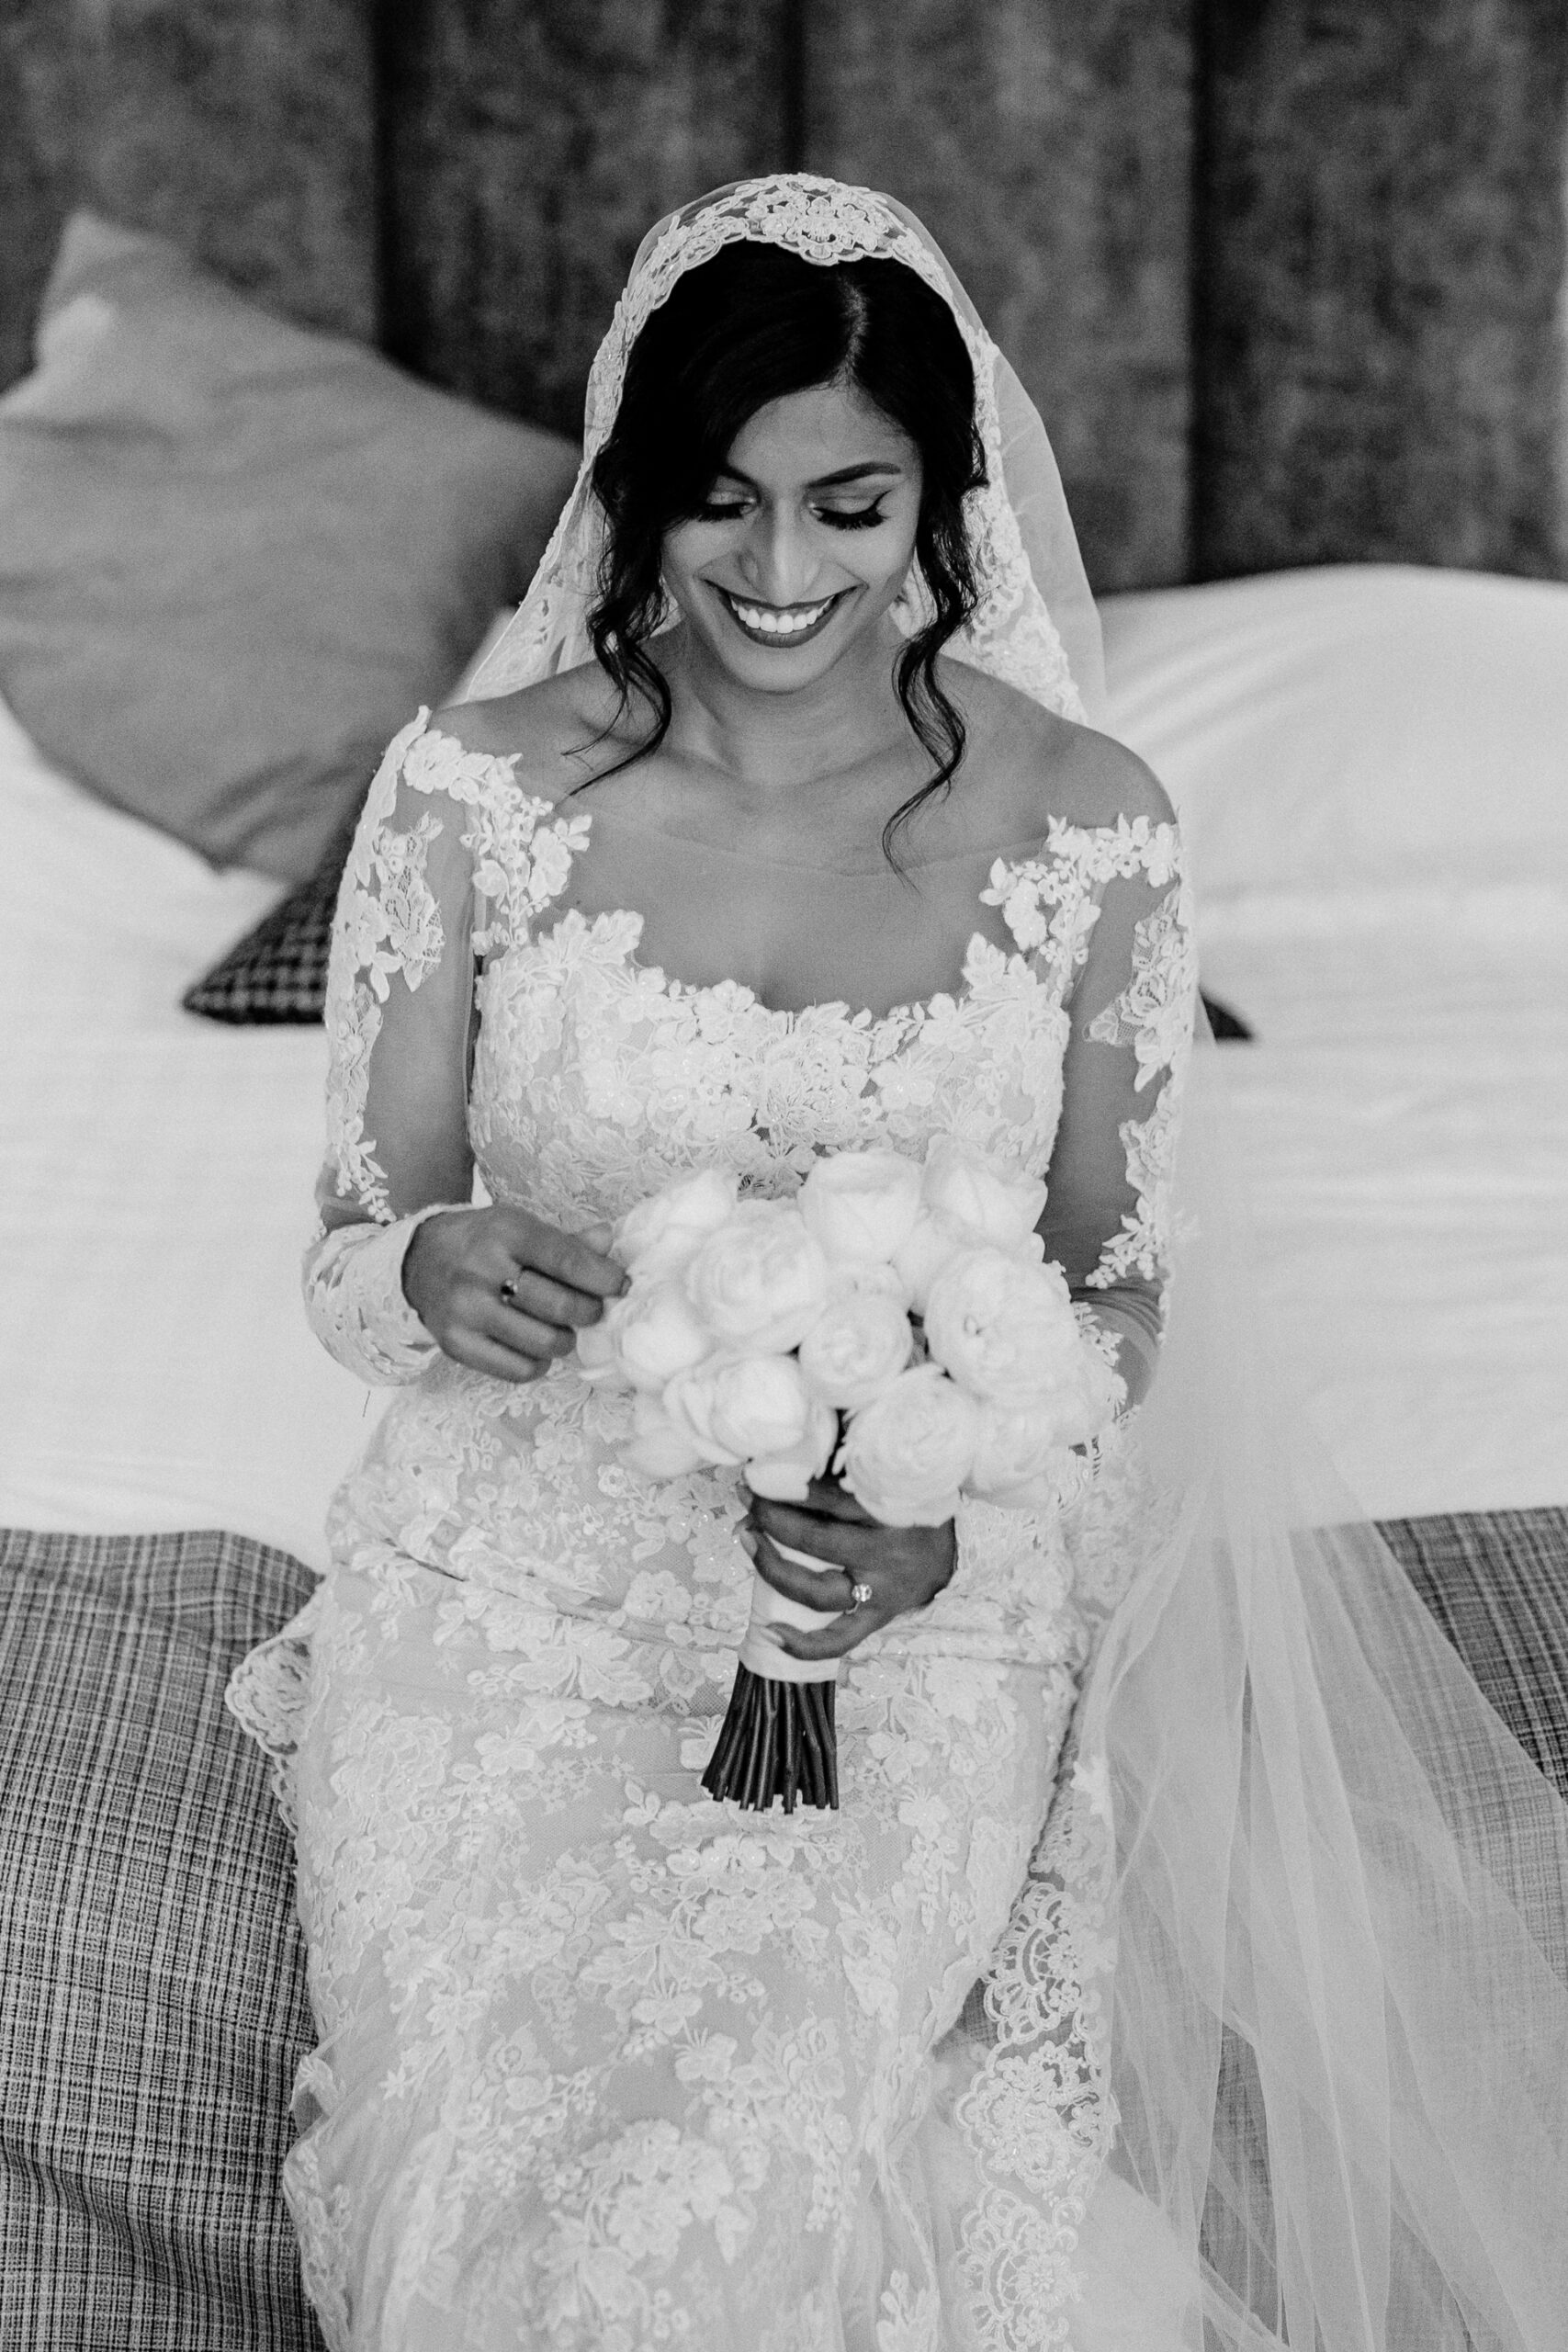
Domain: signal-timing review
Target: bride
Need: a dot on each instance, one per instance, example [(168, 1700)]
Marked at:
[(1162, 1979)]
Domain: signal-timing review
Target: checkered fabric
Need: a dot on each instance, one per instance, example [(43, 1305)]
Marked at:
[(1498, 1584), (152, 2003), (279, 971)]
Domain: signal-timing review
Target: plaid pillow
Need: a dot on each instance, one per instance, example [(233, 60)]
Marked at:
[(153, 2004), (279, 971)]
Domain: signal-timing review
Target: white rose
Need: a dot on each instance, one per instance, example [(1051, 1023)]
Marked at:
[(857, 1347), (908, 1453), (760, 1283), (1020, 1458), (663, 1232), (735, 1408), (931, 1245), (655, 1334), (1001, 1326), (991, 1197), (860, 1205), (656, 1447)]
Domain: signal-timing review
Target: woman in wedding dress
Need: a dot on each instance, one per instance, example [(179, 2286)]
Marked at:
[(775, 826)]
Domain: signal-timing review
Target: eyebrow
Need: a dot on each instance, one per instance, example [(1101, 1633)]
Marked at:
[(821, 482)]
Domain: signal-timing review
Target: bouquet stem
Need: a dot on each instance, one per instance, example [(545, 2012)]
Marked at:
[(779, 1740)]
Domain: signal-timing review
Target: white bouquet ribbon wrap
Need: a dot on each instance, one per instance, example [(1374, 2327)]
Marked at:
[(770, 1607)]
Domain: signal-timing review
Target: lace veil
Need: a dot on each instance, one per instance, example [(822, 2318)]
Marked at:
[(1279, 2031), (1035, 625)]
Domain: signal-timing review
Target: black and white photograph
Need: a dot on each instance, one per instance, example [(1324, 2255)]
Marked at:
[(784, 1175)]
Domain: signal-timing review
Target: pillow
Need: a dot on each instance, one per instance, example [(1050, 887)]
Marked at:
[(152, 2002), (279, 971), (1353, 728), (236, 554)]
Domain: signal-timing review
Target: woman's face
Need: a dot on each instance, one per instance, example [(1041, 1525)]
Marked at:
[(805, 542)]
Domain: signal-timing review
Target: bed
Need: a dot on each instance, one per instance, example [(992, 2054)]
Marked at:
[(1371, 767)]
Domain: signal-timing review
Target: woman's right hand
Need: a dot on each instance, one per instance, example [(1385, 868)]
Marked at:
[(459, 1262)]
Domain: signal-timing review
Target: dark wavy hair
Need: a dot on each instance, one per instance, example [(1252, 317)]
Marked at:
[(752, 325)]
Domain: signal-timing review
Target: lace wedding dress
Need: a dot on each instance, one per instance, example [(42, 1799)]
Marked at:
[(1185, 1967), (605, 2063)]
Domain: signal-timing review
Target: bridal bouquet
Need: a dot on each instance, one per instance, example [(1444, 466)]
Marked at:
[(895, 1325)]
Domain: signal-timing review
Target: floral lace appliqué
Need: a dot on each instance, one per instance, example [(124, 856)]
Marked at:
[(1155, 1016)]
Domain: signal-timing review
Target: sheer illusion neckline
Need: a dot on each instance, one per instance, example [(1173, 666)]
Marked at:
[(905, 1015), (669, 985), (618, 821)]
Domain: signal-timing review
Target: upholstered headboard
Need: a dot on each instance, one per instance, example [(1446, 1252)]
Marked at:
[(1285, 276)]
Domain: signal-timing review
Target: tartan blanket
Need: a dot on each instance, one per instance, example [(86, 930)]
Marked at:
[(153, 2003)]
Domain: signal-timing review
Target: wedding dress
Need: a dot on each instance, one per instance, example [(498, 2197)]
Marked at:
[(1157, 1798)]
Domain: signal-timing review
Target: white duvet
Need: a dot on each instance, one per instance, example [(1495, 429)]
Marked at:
[(156, 1194), (1405, 1117)]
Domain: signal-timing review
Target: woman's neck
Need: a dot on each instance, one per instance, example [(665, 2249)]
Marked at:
[(780, 743)]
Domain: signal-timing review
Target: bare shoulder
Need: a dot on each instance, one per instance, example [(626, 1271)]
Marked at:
[(556, 732), (1037, 766)]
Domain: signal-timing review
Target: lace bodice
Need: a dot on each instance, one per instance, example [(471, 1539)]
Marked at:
[(481, 1022)]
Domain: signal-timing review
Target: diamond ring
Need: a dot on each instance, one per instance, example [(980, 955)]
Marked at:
[(859, 1595)]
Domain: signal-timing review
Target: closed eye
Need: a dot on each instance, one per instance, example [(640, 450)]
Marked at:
[(838, 518), (851, 518)]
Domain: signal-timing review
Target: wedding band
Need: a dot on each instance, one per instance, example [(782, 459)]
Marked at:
[(859, 1595)]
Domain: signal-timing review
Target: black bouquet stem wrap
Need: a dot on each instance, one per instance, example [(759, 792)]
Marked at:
[(779, 1742)]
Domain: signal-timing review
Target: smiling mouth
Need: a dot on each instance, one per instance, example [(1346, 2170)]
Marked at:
[(776, 625)]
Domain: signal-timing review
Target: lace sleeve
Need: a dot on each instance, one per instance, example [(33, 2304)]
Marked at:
[(1107, 913), (439, 874)]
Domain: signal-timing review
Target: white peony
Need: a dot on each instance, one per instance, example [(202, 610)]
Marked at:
[(786, 1477), (869, 1278), (656, 1446), (760, 1283), (1091, 1400), (654, 1334), (596, 1358), (662, 1234), (1002, 1326), (859, 1205), (1020, 1458), (908, 1453), (857, 1347), (735, 1408), (931, 1245), (991, 1198)]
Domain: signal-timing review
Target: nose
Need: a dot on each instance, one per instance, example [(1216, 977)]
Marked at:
[(777, 557)]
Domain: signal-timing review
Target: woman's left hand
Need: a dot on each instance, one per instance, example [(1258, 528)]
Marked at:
[(905, 1567)]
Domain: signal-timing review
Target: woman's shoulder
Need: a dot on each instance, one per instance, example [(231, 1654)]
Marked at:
[(1038, 767), (556, 733)]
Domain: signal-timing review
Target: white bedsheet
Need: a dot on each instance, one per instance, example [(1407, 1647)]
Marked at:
[(155, 1184), (1406, 1116)]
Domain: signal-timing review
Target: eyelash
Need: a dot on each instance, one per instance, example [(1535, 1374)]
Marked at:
[(859, 518)]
